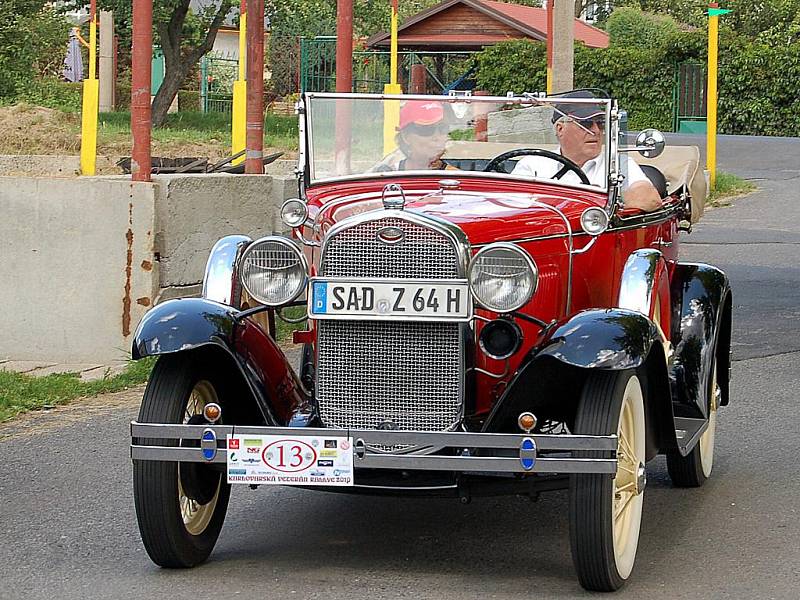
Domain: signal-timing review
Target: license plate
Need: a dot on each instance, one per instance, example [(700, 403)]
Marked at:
[(300, 460), (396, 300)]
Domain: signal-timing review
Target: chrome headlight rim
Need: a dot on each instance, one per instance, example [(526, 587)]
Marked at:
[(531, 264), (295, 249), (586, 215), (285, 207)]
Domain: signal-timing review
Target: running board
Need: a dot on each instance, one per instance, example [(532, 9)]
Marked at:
[(688, 432)]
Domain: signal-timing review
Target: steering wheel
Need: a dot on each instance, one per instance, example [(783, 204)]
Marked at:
[(568, 165)]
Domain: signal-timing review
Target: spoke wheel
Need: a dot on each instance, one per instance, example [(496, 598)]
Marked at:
[(695, 468), (180, 507), (605, 512), (195, 510)]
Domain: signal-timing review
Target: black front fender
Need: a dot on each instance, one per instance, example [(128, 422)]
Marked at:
[(195, 324), (184, 324), (550, 378), (612, 339), (701, 326)]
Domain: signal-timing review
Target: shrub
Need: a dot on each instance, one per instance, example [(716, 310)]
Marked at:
[(122, 101), (188, 100), (514, 66), (757, 85), (33, 43), (52, 93), (637, 77), (633, 28)]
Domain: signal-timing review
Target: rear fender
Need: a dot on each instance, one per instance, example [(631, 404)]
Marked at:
[(550, 379), (192, 324)]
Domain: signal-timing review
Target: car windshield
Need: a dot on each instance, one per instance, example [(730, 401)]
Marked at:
[(359, 134)]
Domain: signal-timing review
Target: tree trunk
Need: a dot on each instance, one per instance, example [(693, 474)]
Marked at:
[(173, 78), (178, 60)]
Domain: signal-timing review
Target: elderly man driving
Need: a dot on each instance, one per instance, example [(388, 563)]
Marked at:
[(580, 131)]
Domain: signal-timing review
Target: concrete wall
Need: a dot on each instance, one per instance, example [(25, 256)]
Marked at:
[(193, 212), (82, 259), (51, 166), (76, 267)]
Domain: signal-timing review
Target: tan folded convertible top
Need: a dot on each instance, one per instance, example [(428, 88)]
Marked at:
[(679, 164)]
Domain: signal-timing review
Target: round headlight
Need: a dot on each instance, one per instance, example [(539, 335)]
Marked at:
[(273, 270), (294, 212), (503, 277), (594, 220)]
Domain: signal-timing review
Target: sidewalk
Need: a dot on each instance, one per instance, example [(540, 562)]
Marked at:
[(88, 372)]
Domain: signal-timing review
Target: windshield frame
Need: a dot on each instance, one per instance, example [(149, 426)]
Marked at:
[(305, 154)]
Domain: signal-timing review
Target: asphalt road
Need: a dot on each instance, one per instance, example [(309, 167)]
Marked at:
[(69, 530)]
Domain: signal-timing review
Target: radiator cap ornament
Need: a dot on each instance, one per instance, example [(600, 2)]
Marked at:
[(393, 197)]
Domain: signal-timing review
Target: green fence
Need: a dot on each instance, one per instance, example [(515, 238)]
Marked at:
[(371, 68), (217, 74)]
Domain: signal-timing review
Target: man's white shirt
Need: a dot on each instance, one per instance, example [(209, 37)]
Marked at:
[(542, 167)]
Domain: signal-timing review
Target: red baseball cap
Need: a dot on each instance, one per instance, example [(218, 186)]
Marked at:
[(420, 112)]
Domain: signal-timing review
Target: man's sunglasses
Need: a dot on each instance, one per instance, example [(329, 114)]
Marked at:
[(600, 121)]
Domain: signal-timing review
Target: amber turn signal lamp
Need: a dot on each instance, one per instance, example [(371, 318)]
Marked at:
[(526, 421), (212, 412)]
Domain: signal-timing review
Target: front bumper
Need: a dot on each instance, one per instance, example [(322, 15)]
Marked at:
[(474, 452)]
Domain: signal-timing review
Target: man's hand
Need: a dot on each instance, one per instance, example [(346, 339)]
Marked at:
[(643, 195)]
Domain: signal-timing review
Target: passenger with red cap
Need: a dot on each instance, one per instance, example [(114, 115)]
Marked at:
[(421, 138)]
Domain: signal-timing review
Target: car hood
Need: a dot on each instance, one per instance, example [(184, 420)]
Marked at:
[(484, 216)]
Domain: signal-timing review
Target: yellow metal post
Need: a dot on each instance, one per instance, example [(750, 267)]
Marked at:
[(91, 95), (239, 113), (711, 100), (714, 13), (391, 110)]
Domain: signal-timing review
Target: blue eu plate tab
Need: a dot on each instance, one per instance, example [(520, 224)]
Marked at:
[(320, 296), (527, 453), (208, 443)]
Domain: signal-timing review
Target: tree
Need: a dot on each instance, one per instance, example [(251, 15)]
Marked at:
[(184, 36), (628, 26), (33, 40), (184, 41)]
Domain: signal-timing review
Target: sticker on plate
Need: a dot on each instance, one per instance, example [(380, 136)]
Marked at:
[(286, 460)]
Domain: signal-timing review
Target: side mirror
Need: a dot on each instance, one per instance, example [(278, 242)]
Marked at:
[(650, 143)]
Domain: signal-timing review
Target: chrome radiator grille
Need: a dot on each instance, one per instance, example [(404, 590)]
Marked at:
[(371, 372), (394, 374), (356, 252)]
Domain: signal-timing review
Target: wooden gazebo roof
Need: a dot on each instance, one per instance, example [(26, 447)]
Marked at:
[(474, 24)]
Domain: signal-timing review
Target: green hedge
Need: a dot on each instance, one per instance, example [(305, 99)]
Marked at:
[(52, 93), (122, 101), (189, 100), (757, 86)]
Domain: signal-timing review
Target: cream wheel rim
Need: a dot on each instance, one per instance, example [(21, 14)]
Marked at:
[(628, 488), (707, 439), (196, 516)]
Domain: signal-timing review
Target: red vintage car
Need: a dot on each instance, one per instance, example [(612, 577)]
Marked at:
[(485, 315)]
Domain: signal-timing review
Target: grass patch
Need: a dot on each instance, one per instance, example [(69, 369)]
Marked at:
[(283, 329), (28, 129), (727, 186), (191, 131), (21, 393)]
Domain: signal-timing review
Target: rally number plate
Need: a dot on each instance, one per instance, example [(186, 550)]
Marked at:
[(300, 460), (436, 300)]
